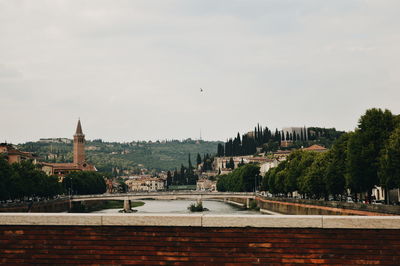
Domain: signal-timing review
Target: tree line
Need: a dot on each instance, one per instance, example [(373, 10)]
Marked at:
[(22, 181), (358, 161), (267, 140), (84, 183), (188, 175), (245, 178), (26, 181)]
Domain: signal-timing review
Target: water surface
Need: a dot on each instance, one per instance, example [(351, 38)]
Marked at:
[(180, 206)]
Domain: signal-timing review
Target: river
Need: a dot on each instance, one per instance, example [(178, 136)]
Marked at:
[(180, 206)]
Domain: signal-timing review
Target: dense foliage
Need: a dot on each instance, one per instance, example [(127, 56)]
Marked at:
[(24, 181), (116, 157), (84, 183), (268, 141), (358, 161), (245, 178)]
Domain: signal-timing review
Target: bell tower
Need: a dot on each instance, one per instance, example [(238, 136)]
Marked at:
[(79, 145)]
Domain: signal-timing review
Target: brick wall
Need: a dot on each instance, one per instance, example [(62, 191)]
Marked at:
[(39, 244)]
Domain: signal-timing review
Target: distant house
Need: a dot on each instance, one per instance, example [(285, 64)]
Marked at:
[(55, 140), (265, 166), (206, 185), (14, 155), (316, 148), (145, 184)]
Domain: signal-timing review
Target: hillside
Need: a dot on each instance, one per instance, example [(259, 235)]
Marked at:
[(127, 156)]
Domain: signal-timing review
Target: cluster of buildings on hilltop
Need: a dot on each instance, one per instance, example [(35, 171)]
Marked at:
[(55, 140), (60, 169), (220, 163)]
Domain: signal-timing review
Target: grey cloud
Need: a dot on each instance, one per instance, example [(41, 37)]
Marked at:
[(137, 66)]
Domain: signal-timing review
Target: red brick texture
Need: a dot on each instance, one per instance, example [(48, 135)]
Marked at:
[(107, 245)]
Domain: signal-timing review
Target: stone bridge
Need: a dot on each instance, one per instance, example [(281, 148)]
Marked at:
[(239, 198)]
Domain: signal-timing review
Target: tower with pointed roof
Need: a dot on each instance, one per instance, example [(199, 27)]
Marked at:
[(79, 145)]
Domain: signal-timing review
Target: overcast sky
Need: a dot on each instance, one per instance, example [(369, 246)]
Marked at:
[(132, 70)]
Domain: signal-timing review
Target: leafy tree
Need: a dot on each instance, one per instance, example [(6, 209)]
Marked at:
[(335, 176), (314, 183), (389, 168), (365, 145), (84, 183), (242, 179), (6, 173), (24, 181)]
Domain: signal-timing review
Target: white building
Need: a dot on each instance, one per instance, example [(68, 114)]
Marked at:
[(145, 184), (265, 166), (206, 185), (299, 131)]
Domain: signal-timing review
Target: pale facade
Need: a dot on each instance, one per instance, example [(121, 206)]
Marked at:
[(206, 185), (265, 166), (145, 184)]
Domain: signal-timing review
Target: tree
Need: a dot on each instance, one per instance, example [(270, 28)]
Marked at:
[(389, 163), (24, 180), (335, 176), (6, 173), (198, 159), (169, 179), (231, 164), (314, 184), (241, 163), (298, 163), (190, 166), (242, 179), (84, 182), (365, 145)]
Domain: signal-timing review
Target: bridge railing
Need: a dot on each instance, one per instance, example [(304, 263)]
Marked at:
[(162, 193)]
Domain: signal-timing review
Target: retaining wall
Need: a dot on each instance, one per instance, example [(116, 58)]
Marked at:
[(60, 205), (380, 208)]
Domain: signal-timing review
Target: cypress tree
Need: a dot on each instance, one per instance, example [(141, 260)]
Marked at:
[(198, 159), (305, 133), (190, 166), (231, 163)]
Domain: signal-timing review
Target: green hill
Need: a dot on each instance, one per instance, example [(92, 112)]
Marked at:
[(105, 156)]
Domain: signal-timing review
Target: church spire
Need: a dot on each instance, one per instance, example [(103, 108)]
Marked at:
[(79, 128), (79, 145)]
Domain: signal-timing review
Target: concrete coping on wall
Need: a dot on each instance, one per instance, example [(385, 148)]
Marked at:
[(202, 220)]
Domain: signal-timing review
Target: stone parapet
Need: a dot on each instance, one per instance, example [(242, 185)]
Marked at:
[(203, 220)]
